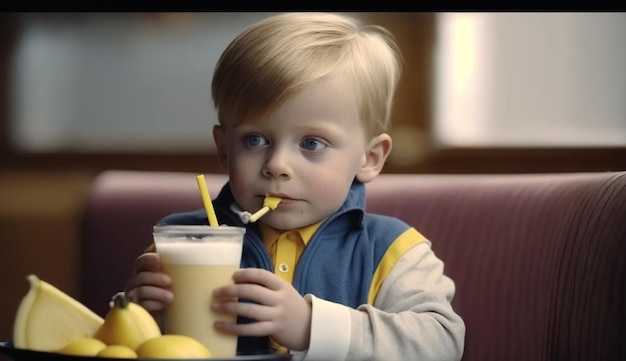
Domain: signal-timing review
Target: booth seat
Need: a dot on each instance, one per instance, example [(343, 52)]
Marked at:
[(538, 260)]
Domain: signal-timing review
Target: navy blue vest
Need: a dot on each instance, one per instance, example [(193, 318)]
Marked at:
[(338, 263)]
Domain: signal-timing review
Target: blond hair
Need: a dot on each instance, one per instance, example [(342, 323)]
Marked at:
[(275, 57)]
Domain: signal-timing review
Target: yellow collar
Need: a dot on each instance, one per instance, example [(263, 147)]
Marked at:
[(270, 235)]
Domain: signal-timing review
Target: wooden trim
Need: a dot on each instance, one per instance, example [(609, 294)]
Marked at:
[(518, 160), (449, 160)]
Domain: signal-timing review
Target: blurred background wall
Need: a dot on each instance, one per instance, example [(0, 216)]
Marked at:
[(85, 92)]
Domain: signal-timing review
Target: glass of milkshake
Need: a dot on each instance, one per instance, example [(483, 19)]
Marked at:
[(199, 259)]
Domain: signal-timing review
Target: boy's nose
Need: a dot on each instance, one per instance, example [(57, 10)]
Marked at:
[(277, 166)]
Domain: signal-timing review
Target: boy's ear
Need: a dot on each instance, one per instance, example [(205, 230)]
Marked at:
[(219, 136), (374, 159)]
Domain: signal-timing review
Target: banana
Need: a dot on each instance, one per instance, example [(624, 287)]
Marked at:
[(117, 351), (48, 319), (146, 322), (85, 346), (172, 347), (127, 323)]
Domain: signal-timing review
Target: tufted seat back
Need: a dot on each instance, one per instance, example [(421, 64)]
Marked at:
[(539, 260)]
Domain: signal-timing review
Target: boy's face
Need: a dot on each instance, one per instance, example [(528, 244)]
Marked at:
[(307, 152)]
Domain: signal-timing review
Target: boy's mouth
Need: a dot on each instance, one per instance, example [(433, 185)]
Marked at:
[(277, 195), (285, 200)]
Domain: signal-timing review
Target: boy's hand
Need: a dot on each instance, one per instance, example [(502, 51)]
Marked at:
[(280, 311), (148, 285)]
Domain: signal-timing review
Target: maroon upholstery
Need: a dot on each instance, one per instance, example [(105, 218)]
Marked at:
[(539, 260)]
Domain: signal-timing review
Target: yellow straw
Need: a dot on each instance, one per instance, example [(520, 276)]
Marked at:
[(206, 199)]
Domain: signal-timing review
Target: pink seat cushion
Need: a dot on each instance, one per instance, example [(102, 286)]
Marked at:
[(539, 260)]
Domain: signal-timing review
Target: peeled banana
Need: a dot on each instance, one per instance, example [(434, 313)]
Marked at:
[(48, 319), (127, 323)]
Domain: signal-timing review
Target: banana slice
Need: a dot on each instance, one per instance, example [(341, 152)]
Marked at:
[(47, 319)]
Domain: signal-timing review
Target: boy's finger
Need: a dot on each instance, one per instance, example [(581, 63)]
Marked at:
[(259, 276)]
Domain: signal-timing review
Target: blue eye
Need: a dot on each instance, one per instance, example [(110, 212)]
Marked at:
[(255, 140), (312, 144)]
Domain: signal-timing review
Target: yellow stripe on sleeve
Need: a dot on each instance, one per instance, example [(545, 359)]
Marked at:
[(403, 243)]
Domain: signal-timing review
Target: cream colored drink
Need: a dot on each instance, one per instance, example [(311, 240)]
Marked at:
[(199, 262), (193, 295)]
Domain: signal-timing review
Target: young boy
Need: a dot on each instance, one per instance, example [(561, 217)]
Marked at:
[(304, 104)]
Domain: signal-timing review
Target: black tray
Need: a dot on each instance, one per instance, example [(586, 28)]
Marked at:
[(17, 354)]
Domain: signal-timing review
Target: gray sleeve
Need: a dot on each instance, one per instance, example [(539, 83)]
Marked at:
[(412, 317)]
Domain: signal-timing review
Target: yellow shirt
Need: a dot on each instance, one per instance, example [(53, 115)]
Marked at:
[(286, 248)]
